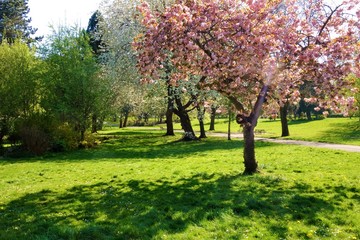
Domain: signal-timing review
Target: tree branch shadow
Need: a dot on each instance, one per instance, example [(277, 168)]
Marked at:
[(138, 209)]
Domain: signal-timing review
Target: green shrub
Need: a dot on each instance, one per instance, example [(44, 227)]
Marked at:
[(89, 142), (64, 138)]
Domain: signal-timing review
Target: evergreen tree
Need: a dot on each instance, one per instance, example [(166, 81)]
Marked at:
[(14, 21), (96, 38)]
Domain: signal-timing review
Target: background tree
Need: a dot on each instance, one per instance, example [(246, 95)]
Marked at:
[(99, 49), (19, 84), (118, 29), (14, 21), (251, 50), (74, 88)]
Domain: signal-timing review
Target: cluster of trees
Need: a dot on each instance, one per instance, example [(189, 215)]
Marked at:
[(254, 52), (262, 57), (49, 96)]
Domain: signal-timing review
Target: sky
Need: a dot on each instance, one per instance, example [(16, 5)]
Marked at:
[(60, 12)]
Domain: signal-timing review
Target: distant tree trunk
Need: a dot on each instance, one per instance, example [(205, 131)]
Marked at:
[(308, 114), (284, 121), (94, 123), (100, 123), (229, 123), (169, 112), (121, 125), (212, 118), (201, 113), (82, 135), (125, 119)]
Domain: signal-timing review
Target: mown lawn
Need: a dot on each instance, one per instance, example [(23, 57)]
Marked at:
[(141, 185), (332, 130)]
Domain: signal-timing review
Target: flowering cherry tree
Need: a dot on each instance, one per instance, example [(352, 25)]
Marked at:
[(251, 51)]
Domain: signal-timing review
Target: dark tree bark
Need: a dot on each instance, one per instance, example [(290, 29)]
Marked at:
[(94, 124), (249, 123), (284, 122), (212, 118), (229, 123), (182, 112), (169, 112), (125, 119), (308, 114), (169, 123), (121, 122), (251, 165), (189, 134), (100, 123), (82, 134), (201, 113)]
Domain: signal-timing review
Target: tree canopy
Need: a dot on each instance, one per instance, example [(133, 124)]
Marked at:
[(14, 21), (251, 51)]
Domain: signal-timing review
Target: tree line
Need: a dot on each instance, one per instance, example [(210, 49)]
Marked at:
[(259, 58)]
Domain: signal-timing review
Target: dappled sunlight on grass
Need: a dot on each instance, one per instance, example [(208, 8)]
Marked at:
[(145, 209), (147, 186)]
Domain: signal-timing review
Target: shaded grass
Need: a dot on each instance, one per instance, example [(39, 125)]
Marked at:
[(141, 185)]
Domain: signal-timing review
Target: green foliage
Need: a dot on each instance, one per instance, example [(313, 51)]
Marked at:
[(74, 88), (141, 185), (19, 83), (14, 22), (64, 138)]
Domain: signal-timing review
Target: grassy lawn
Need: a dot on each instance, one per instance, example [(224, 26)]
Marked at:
[(141, 185), (332, 130)]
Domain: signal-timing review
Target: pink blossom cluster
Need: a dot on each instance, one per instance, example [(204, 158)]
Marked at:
[(242, 46)]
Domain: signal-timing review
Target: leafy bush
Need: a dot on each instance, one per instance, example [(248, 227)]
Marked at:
[(89, 142), (64, 138)]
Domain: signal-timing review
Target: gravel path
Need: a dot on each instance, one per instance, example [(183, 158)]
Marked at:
[(348, 148)]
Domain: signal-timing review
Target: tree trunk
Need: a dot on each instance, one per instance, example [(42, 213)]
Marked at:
[(249, 149), (284, 121), (201, 114), (125, 119), (182, 113), (100, 123), (82, 135), (189, 134), (249, 122), (202, 129), (169, 112), (212, 119), (229, 124), (308, 114), (120, 122), (94, 124), (169, 123)]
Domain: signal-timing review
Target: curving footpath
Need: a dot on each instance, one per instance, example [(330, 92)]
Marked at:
[(343, 147)]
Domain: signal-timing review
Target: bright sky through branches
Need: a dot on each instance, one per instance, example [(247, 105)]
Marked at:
[(60, 12)]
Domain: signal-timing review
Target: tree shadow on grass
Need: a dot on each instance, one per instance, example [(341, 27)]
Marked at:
[(138, 209), (144, 145)]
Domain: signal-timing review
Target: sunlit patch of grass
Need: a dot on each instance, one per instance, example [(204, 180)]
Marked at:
[(141, 185), (331, 130)]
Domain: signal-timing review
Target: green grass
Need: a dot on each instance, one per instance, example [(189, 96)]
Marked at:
[(331, 130), (141, 185)]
